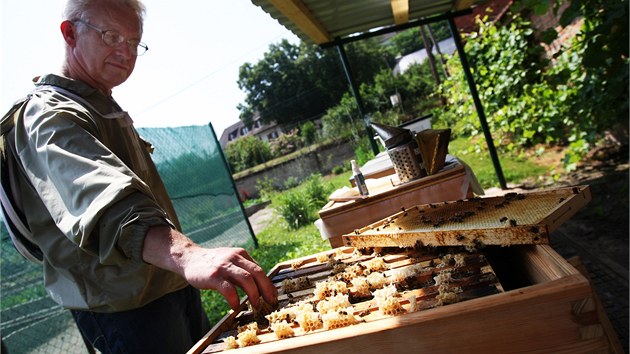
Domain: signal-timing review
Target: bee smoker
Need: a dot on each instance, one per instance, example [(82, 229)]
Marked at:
[(403, 151)]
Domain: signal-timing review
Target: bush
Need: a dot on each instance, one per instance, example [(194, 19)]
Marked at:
[(247, 152), (308, 131), (317, 191), (363, 151), (291, 182), (295, 208), (339, 120), (286, 143), (339, 169)]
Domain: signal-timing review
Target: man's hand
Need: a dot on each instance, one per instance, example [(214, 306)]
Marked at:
[(221, 269)]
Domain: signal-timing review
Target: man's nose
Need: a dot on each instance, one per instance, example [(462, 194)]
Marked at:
[(126, 50)]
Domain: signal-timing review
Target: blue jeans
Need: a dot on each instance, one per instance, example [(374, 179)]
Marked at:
[(171, 324)]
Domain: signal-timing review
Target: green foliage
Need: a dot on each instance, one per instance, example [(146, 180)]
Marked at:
[(527, 103), (291, 182), (214, 304), (293, 83), (409, 41), (515, 167), (252, 201), (339, 121), (286, 143), (308, 131), (339, 169), (279, 244), (265, 187), (247, 152), (392, 118), (295, 208), (299, 206), (415, 87), (317, 191), (405, 42), (363, 151)]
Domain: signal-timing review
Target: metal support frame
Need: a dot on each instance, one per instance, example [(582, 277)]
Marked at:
[(478, 106), (450, 17), (357, 96)]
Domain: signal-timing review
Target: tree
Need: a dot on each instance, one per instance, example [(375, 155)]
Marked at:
[(292, 84)]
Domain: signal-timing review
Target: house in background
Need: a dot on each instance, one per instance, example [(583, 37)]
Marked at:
[(264, 132)]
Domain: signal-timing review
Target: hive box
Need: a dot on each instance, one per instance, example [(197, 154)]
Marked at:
[(548, 306)]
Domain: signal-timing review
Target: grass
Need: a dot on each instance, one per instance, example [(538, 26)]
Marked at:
[(515, 167), (278, 242)]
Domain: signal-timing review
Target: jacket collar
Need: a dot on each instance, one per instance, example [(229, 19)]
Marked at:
[(73, 85)]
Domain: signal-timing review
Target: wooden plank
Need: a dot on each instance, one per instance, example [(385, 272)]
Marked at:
[(400, 10), (593, 304), (568, 208), (343, 218)]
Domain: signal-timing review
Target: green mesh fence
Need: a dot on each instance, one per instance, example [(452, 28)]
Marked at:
[(199, 183), (197, 178)]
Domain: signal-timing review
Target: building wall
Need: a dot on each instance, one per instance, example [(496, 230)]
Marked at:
[(322, 161)]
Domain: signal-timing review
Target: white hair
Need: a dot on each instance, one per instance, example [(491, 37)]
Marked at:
[(82, 9)]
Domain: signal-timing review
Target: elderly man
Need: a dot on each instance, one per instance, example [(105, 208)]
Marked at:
[(98, 209)]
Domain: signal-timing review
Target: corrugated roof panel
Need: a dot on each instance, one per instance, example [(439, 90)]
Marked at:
[(342, 18), (349, 17)]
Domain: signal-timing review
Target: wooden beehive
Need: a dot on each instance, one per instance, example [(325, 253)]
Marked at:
[(506, 291), (526, 299)]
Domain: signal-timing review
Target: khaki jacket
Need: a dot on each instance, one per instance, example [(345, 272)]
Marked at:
[(90, 193)]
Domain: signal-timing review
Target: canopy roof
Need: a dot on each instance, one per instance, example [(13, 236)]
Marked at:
[(325, 21)]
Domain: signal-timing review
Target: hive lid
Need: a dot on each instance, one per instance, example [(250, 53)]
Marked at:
[(513, 219)]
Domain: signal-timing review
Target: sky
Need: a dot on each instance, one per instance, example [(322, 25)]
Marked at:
[(188, 76)]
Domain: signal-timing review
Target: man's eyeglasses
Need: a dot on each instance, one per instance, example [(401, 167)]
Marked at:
[(115, 39)]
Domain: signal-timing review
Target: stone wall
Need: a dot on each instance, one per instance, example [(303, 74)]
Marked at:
[(322, 161)]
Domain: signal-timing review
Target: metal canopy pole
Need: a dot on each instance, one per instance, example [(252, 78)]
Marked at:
[(475, 95), (357, 96)]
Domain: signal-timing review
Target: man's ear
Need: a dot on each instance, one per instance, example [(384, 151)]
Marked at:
[(69, 33)]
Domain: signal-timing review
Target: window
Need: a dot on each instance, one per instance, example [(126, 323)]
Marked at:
[(244, 130)]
